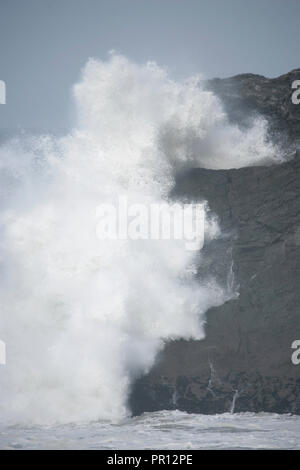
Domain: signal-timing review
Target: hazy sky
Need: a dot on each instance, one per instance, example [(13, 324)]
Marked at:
[(45, 43)]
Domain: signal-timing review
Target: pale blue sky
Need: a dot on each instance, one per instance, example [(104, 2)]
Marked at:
[(45, 43)]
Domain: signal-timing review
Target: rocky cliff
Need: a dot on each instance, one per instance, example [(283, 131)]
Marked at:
[(244, 362)]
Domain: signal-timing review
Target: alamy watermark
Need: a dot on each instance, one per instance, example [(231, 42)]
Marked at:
[(2, 344), (2, 353), (125, 220), (2, 92), (296, 93), (296, 354)]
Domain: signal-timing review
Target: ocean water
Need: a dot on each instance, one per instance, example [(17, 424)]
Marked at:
[(163, 430)]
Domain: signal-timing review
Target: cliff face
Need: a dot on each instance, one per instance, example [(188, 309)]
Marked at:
[(244, 363)]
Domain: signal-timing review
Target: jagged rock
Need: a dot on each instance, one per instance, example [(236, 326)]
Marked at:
[(244, 363), (247, 95)]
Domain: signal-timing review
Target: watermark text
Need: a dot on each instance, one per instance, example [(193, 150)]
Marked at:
[(2, 353), (2, 92), (296, 93), (125, 220), (296, 354)]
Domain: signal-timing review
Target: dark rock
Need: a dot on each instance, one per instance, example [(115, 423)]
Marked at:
[(246, 96), (244, 362)]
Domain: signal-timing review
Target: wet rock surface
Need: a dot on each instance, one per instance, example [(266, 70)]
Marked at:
[(244, 362)]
